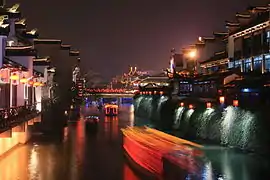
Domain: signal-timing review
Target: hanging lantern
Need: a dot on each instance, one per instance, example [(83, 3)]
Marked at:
[(235, 103), (23, 80), (41, 84), (14, 76), (36, 84), (30, 82), (221, 99)]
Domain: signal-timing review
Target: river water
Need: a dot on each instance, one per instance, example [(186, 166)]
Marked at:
[(78, 155)]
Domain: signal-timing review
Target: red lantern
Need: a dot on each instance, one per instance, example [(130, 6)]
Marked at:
[(30, 82), (208, 105), (182, 104), (235, 103)]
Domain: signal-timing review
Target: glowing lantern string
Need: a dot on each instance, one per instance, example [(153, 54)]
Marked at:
[(23, 80), (30, 82), (14, 76), (36, 84)]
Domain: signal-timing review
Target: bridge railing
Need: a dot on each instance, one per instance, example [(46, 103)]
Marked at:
[(110, 91), (10, 117)]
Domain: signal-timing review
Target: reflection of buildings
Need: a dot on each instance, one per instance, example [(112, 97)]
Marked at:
[(111, 127)]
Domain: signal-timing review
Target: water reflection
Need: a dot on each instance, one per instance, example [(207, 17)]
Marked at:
[(78, 156), (33, 164)]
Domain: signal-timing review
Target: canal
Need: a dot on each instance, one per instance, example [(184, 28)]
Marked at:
[(77, 155)]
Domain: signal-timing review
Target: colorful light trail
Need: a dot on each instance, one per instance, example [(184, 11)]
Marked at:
[(147, 147)]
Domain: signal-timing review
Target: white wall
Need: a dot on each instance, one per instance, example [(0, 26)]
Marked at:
[(230, 47), (26, 61)]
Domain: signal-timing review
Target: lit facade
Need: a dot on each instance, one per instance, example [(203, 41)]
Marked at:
[(248, 41)]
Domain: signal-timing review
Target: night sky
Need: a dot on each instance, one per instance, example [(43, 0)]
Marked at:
[(111, 35)]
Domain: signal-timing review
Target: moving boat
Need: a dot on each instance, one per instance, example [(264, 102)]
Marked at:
[(157, 152), (91, 122), (111, 110)]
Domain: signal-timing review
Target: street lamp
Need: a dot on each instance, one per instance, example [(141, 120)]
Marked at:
[(192, 53)]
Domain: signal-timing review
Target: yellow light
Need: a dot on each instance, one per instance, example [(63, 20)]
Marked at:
[(192, 54), (36, 84), (23, 80), (221, 99), (14, 76)]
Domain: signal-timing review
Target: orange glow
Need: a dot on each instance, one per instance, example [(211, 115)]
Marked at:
[(30, 82), (23, 80), (147, 147), (155, 92), (17, 138), (222, 99), (208, 105), (192, 54), (190, 106), (235, 103), (150, 92), (161, 92), (114, 108), (182, 104), (111, 106), (36, 84), (14, 76)]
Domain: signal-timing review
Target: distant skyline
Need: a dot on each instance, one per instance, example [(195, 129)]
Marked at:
[(111, 35)]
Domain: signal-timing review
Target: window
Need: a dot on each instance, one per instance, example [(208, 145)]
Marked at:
[(247, 65), (258, 63), (267, 62), (268, 36)]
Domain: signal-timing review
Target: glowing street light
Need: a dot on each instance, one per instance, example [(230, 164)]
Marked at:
[(192, 54)]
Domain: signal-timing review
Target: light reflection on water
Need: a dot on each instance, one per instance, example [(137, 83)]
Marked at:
[(33, 165), (77, 156)]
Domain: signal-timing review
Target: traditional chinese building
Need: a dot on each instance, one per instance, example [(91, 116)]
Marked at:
[(248, 40)]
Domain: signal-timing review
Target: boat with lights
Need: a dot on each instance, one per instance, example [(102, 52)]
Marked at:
[(111, 109), (149, 148)]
